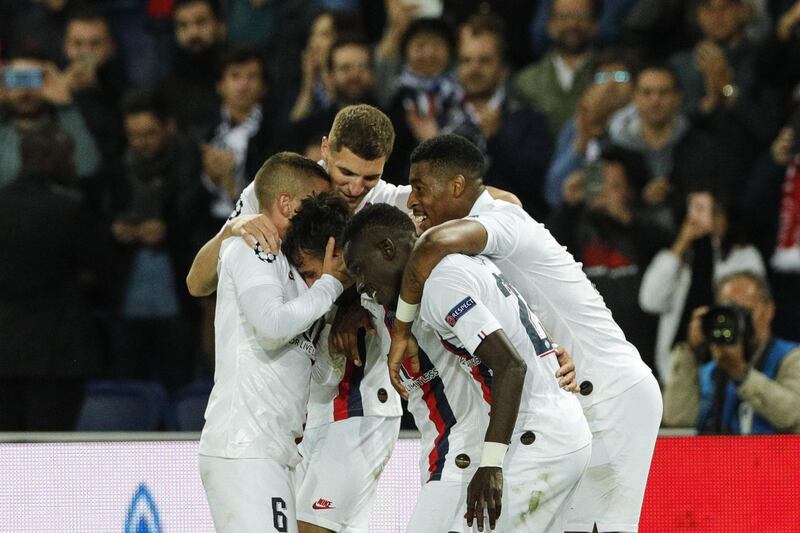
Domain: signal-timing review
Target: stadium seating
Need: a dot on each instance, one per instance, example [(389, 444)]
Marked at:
[(124, 405), (189, 406)]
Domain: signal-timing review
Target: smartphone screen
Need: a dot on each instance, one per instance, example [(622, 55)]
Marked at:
[(23, 78)]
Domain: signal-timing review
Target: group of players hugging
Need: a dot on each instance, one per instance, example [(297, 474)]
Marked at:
[(338, 293)]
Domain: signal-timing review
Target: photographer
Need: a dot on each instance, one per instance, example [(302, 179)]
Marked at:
[(751, 385)]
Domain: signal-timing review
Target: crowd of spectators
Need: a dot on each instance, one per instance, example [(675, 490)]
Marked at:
[(659, 140)]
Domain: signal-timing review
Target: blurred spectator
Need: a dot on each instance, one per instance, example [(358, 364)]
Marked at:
[(517, 139), (314, 92), (722, 95), (681, 278), (555, 83), (601, 224), (779, 60), (678, 156), (50, 342), (389, 53), (96, 78), (151, 341), (238, 141), (584, 135), (427, 99), (279, 31), (655, 29), (773, 217), (751, 386), (608, 31), (516, 17), (189, 89), (351, 80), (40, 25), (37, 95)]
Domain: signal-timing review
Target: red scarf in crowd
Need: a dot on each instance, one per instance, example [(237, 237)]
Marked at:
[(787, 253)]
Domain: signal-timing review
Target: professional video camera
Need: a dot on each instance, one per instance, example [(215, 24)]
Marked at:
[(727, 324)]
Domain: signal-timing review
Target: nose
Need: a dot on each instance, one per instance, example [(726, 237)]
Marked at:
[(357, 186), (412, 200)]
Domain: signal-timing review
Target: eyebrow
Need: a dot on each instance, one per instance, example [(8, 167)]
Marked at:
[(346, 169)]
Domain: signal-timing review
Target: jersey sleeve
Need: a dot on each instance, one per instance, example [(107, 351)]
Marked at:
[(502, 226), (247, 203), (451, 305), (261, 291), (328, 368)]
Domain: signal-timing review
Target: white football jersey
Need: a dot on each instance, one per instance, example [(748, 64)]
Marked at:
[(465, 300), (450, 399), (362, 391), (365, 390), (261, 381), (560, 294)]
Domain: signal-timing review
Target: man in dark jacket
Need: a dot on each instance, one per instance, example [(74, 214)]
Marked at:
[(150, 257), (518, 142), (189, 89), (678, 156), (234, 145), (50, 343)]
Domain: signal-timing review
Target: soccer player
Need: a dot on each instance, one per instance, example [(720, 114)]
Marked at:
[(266, 324), (619, 395), (471, 311), (364, 406)]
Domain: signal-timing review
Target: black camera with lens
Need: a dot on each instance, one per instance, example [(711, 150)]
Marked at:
[(727, 324)]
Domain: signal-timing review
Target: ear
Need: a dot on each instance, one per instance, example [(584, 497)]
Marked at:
[(387, 248), (285, 205), (324, 147), (457, 185), (218, 86), (769, 312), (222, 29)]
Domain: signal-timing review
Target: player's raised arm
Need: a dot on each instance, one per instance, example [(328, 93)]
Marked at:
[(245, 222)]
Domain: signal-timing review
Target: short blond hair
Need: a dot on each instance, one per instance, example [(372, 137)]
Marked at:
[(286, 172), (364, 130)]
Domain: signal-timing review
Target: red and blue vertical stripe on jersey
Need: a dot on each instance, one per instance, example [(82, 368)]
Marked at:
[(348, 402), (440, 413), (479, 373), (435, 399)]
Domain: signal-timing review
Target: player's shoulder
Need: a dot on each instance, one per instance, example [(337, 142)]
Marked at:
[(236, 252)]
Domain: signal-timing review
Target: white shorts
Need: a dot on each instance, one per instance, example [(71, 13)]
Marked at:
[(343, 462), (624, 431), (249, 495), (440, 508), (537, 491)]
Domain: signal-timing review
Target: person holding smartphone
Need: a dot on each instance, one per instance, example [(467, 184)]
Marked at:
[(681, 278), (37, 94)]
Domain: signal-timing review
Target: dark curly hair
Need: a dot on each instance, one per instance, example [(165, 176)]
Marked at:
[(319, 217)]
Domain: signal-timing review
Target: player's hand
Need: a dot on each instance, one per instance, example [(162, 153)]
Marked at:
[(567, 379), (256, 229), (485, 491), (343, 338), (333, 264), (404, 346)]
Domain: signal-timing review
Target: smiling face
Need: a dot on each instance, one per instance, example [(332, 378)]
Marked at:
[(431, 198), (351, 175)]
